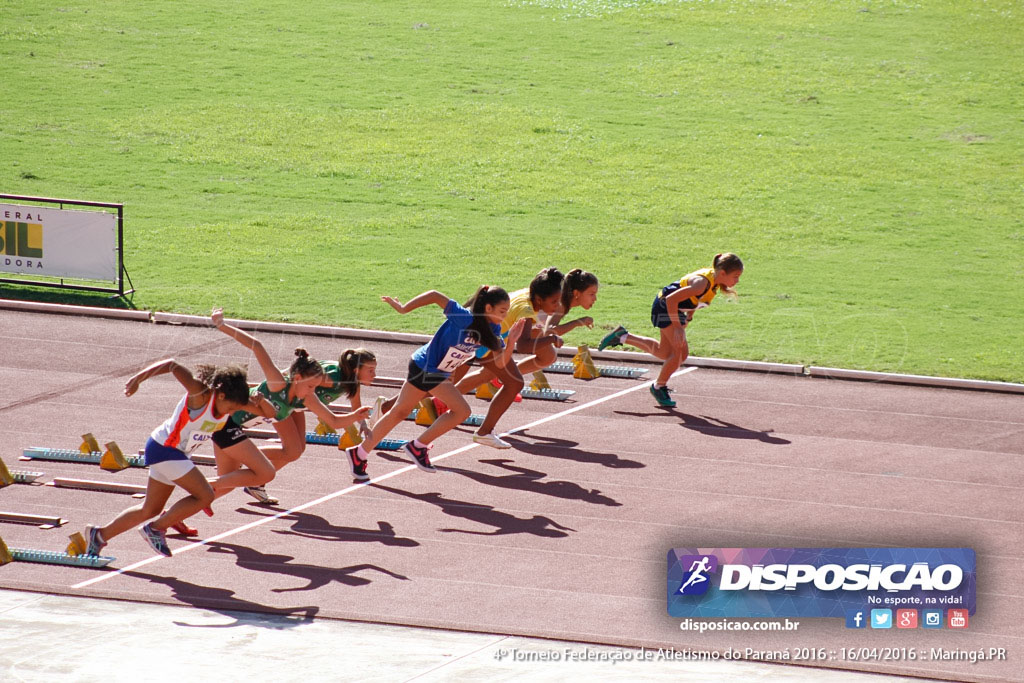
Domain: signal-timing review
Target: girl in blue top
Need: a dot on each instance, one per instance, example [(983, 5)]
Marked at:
[(454, 343)]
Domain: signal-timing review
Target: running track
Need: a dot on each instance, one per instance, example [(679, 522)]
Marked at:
[(565, 536)]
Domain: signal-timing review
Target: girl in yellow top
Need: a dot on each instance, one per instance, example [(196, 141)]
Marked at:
[(671, 311), (543, 295)]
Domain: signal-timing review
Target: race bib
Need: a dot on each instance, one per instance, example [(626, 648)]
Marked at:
[(454, 358)]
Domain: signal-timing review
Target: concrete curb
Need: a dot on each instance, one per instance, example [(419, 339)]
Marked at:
[(567, 351)]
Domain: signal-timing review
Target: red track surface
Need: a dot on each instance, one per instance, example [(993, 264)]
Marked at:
[(566, 535)]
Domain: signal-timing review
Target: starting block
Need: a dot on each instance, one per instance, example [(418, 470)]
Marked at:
[(350, 438), (77, 546), (8, 477), (42, 521), (486, 391), (548, 394), (334, 439), (113, 456), (474, 420), (50, 557), (584, 364), (322, 428), (134, 490), (540, 381), (426, 413), (203, 459), (566, 368)]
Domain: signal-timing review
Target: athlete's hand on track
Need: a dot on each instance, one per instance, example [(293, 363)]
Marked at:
[(131, 386), (217, 316)]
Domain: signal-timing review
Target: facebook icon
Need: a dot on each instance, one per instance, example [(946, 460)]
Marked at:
[(855, 618)]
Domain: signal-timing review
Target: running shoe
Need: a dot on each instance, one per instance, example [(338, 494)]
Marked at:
[(96, 542), (613, 338), (155, 539), (660, 395), (357, 464), (208, 512), (490, 440), (185, 529), (377, 412), (260, 494), (420, 456)]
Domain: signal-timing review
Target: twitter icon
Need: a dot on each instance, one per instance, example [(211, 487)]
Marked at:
[(881, 618)]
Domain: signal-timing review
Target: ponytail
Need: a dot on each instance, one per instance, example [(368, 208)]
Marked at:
[(577, 280), (304, 366), (485, 296)]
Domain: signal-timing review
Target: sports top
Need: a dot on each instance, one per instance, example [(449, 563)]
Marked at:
[(187, 429), (453, 344), (519, 306), (282, 405), (332, 393), (693, 301)]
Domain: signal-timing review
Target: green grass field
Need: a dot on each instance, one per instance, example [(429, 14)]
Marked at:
[(294, 162)]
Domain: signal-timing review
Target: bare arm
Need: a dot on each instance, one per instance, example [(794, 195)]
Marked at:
[(418, 301), (193, 386), (514, 333), (695, 287), (275, 380), (316, 406)]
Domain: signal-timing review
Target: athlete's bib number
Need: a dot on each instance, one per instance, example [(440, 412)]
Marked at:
[(453, 359)]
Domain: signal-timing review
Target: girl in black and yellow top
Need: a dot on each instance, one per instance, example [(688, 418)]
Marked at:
[(671, 311)]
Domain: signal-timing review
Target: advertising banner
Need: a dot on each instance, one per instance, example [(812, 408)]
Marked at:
[(63, 243)]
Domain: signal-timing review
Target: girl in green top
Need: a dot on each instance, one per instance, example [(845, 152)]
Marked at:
[(288, 395)]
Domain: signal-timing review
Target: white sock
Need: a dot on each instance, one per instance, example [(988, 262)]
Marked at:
[(417, 444)]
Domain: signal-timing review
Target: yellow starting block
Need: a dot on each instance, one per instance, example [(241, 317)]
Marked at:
[(113, 459), (89, 444), (584, 363), (5, 554), (349, 438), (6, 478), (427, 413), (540, 381), (486, 391), (323, 429), (78, 546)]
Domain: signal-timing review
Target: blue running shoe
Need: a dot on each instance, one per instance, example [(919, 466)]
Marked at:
[(155, 539)]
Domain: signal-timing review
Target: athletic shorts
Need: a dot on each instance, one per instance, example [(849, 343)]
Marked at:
[(230, 434), (660, 317), (169, 471), (423, 380)]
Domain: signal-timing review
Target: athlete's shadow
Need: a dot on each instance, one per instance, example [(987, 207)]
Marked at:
[(223, 601), (316, 527), (713, 426), (315, 575), (504, 523), (562, 449), (528, 480)]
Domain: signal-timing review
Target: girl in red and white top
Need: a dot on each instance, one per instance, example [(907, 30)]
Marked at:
[(212, 394)]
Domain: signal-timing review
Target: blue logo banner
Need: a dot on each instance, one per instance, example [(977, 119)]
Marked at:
[(818, 582)]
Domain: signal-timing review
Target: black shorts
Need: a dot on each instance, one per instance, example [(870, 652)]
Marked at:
[(423, 380), (230, 434), (661, 318)]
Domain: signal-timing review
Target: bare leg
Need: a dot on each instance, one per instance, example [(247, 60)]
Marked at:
[(241, 465), (476, 378), (408, 397), (544, 355), (680, 350), (292, 431), (200, 496), (458, 411), (511, 384), (157, 494)]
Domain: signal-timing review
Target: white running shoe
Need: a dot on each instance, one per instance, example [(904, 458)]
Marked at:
[(260, 494), (490, 440), (378, 410)]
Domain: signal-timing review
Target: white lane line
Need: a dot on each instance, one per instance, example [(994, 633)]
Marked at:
[(354, 487)]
